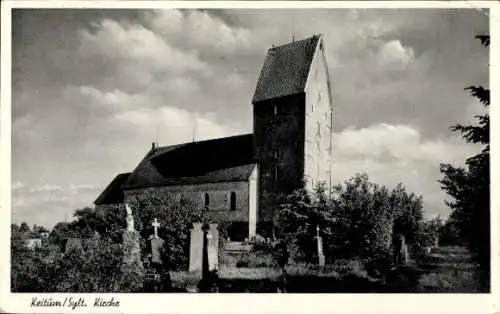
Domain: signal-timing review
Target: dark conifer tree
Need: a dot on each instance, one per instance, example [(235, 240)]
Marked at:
[(470, 185)]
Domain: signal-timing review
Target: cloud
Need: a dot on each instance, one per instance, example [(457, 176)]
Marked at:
[(190, 28), (48, 203), (92, 90), (17, 185), (389, 143), (391, 154), (137, 55), (83, 187), (46, 188), (393, 55), (133, 42)]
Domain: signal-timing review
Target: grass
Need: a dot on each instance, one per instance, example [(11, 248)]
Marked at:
[(447, 269), (301, 277)]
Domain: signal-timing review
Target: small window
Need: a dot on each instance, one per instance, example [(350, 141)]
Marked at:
[(232, 201), (207, 200)]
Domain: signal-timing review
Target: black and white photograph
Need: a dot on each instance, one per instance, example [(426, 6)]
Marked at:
[(248, 150)]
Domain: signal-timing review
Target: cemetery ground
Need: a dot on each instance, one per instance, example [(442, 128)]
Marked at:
[(361, 247), (444, 269)]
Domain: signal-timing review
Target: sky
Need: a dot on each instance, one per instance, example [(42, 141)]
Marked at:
[(92, 89)]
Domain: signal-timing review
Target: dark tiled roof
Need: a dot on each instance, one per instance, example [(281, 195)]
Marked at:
[(285, 69), (113, 193), (220, 160)]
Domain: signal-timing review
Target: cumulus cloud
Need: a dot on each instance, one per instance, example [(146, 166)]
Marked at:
[(391, 154), (17, 185), (387, 143), (48, 203), (392, 54), (91, 92), (45, 188), (191, 27), (133, 42)]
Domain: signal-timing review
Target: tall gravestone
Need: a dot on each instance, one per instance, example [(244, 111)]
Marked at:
[(401, 256), (162, 281), (213, 247), (208, 282), (156, 246), (319, 242), (196, 248), (132, 267)]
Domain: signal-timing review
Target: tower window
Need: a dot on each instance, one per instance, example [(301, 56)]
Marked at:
[(207, 200), (232, 201)]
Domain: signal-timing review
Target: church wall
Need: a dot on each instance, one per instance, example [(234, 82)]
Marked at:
[(317, 153), (279, 149), (253, 203), (219, 194)]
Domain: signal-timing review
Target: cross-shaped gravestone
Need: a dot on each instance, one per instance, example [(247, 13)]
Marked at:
[(321, 256), (155, 225)]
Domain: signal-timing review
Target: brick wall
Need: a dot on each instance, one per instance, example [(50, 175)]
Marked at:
[(279, 149), (219, 195)]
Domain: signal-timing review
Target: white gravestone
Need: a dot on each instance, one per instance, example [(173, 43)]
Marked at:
[(130, 218), (319, 240), (155, 225), (196, 248), (213, 247)]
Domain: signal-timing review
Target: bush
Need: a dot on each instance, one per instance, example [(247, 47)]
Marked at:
[(257, 259), (176, 218), (260, 244), (358, 219)]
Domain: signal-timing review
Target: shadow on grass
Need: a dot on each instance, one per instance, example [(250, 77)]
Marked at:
[(302, 284)]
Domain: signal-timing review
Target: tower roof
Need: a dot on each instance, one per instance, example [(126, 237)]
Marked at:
[(286, 69)]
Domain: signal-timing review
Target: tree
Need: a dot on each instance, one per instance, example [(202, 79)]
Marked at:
[(469, 186), (429, 232), (449, 234), (24, 227), (59, 234), (364, 217), (109, 223), (358, 220), (176, 217)]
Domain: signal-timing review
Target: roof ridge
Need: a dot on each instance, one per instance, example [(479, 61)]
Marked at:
[(205, 141), (296, 42)]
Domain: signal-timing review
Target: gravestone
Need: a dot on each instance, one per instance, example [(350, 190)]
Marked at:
[(196, 248), (400, 251), (157, 244), (319, 241), (132, 267), (213, 247), (208, 282), (159, 280)]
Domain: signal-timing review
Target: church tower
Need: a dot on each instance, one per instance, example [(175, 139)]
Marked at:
[(293, 114)]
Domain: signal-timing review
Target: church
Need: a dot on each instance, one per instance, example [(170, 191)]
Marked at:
[(241, 178)]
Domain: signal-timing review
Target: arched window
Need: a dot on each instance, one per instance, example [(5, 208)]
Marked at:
[(232, 201), (207, 200)]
